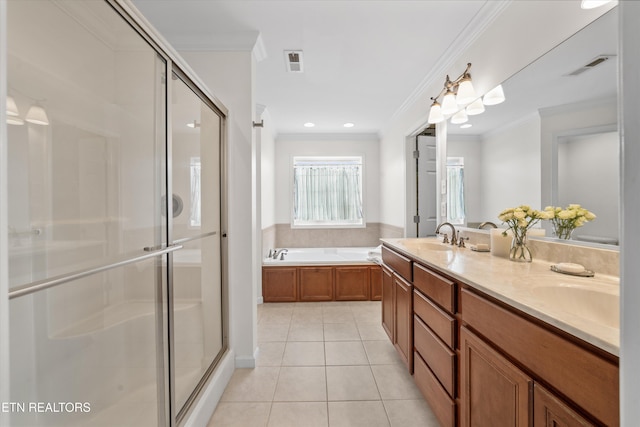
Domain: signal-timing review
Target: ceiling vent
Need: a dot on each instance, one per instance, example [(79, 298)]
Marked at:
[(293, 61), (593, 63)]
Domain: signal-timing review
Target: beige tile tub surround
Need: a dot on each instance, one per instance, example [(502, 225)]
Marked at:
[(283, 236), (326, 364)]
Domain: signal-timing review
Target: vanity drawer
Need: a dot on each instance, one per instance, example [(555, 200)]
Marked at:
[(399, 263), (437, 319), (436, 354), (436, 287), (441, 404)]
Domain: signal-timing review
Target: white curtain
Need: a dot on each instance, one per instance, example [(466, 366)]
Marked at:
[(455, 194), (327, 193)]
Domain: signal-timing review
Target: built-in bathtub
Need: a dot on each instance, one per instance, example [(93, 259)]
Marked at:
[(323, 274)]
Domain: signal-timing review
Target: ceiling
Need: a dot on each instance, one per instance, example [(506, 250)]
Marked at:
[(362, 59)]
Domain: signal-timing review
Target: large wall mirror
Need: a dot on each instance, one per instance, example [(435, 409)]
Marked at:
[(554, 141)]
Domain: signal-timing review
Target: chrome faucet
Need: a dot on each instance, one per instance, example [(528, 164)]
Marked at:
[(489, 223), (280, 253), (453, 233)]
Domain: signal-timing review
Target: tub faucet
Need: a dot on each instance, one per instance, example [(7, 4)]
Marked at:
[(280, 252), (453, 233), (489, 223)]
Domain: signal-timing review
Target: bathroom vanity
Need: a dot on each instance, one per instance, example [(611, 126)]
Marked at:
[(492, 342)]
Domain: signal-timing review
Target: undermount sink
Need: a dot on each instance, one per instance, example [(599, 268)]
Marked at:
[(595, 302), (422, 245)]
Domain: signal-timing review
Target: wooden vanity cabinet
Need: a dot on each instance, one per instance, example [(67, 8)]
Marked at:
[(550, 410), (493, 391), (586, 378), (388, 303), (403, 316), (481, 362), (435, 359)]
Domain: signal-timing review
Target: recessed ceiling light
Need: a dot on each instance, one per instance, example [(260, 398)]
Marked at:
[(466, 126), (309, 125), (348, 125)]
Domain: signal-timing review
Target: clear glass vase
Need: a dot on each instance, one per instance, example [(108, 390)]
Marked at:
[(563, 232), (520, 252)]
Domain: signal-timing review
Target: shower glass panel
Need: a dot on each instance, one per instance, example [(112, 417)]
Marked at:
[(85, 200), (197, 277), (93, 364), (84, 188)]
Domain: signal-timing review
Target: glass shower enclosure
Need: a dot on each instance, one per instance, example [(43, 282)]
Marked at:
[(115, 251)]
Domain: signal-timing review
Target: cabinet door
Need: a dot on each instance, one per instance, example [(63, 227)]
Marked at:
[(403, 320), (387, 302), (279, 284), (376, 283), (550, 411), (493, 392), (315, 283), (352, 283)]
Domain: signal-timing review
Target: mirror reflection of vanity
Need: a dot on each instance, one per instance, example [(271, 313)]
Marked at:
[(554, 141)]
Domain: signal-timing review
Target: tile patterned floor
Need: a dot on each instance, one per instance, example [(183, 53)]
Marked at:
[(323, 364)]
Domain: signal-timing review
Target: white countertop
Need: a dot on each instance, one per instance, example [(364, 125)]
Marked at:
[(587, 308)]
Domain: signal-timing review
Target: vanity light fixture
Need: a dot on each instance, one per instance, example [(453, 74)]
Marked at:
[(494, 96), (460, 117), (592, 4), (37, 115), (13, 116), (476, 107), (458, 92), (460, 100)]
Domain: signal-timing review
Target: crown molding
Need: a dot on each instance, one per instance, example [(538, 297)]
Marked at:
[(485, 16)]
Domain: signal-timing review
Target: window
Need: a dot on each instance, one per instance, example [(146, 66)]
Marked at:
[(455, 190), (327, 191), (194, 214)]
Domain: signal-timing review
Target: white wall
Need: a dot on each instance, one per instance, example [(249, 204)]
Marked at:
[(495, 57), (589, 174), (630, 268), (229, 75), (511, 168), (288, 146), (268, 172)]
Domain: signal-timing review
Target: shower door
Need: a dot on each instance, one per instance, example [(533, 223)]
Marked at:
[(196, 291), (115, 288)]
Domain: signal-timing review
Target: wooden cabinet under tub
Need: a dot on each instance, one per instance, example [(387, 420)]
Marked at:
[(321, 283)]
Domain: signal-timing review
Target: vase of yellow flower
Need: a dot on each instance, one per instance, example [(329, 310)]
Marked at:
[(565, 220), (520, 220)]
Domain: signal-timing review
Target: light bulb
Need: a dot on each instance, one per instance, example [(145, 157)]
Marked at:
[(449, 104), (466, 93), (459, 117), (37, 115), (476, 107), (12, 108), (435, 113), (592, 4), (494, 96)]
